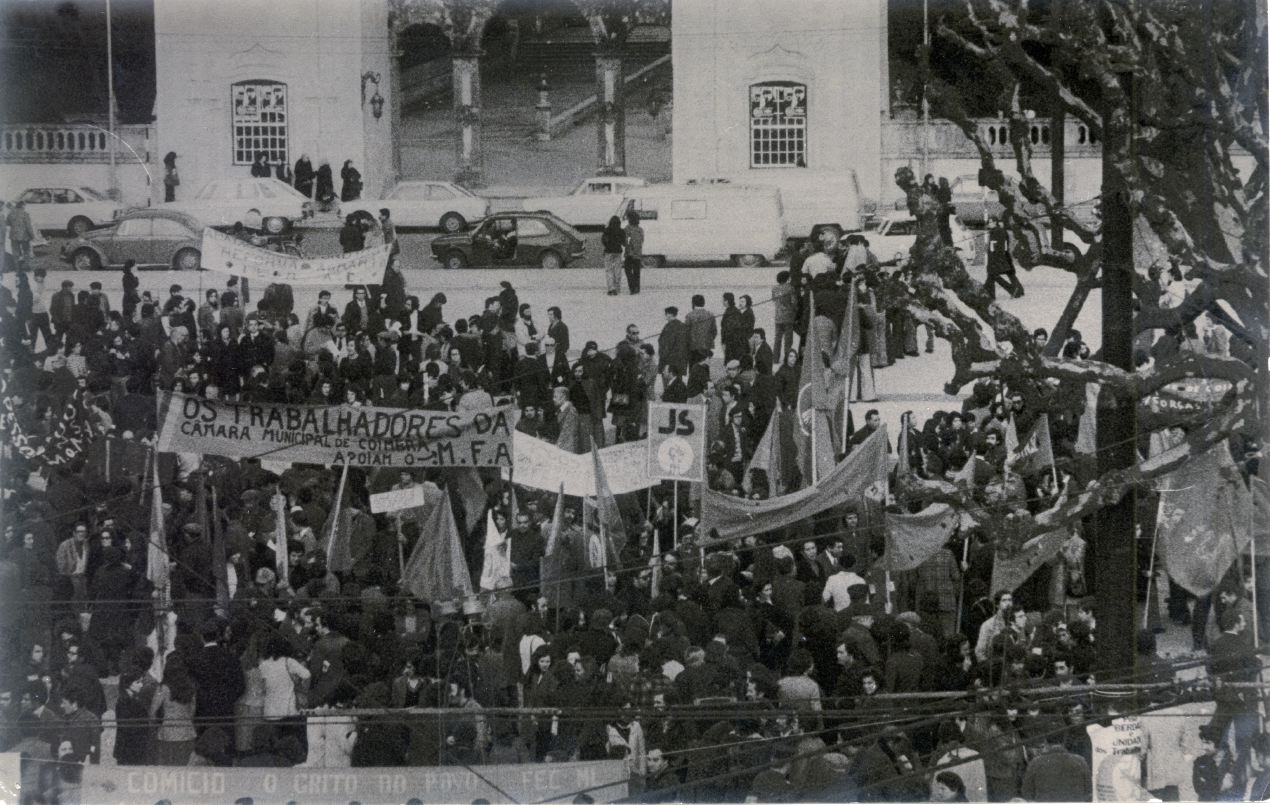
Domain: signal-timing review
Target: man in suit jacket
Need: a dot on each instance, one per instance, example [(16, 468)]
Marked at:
[(672, 342), (674, 389), (209, 315), (569, 439), (702, 327), (218, 676), (558, 331), (357, 313), (257, 346), (323, 307), (762, 351)]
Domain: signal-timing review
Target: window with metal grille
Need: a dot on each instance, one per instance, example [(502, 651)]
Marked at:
[(778, 125), (259, 110)]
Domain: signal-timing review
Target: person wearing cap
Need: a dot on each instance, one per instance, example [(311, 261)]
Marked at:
[(672, 342)]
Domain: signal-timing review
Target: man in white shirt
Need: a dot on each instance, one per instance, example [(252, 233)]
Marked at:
[(837, 588)]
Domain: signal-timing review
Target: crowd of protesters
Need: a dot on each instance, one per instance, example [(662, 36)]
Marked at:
[(759, 669)]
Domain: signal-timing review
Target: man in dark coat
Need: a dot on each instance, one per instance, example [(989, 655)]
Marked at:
[(218, 675), (672, 342)]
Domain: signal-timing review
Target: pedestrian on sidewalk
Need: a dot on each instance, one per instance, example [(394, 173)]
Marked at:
[(613, 240), (171, 179), (1000, 263), (633, 261), (21, 233)]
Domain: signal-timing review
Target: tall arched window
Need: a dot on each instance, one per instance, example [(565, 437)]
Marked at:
[(778, 125), (259, 110)]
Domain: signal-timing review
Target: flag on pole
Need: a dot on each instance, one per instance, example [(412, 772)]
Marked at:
[(220, 572), (655, 588), (1087, 430), (159, 574), (554, 566), (607, 512), (1011, 437), (847, 350), (814, 430), (974, 468), (1203, 519), (466, 482), (280, 552), (1011, 570), (767, 457), (337, 539), (437, 569), (911, 539), (1035, 454), (902, 468)]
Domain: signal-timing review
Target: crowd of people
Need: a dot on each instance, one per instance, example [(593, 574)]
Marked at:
[(759, 669)]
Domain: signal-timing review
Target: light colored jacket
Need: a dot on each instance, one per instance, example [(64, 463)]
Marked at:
[(279, 678)]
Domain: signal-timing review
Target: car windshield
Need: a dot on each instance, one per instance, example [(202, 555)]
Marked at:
[(284, 189), (90, 193)]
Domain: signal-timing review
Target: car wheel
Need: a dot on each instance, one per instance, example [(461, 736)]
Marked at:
[(455, 260), (187, 260), (274, 225), (78, 226), (86, 260), (747, 260), (550, 259), (652, 261), (453, 222)]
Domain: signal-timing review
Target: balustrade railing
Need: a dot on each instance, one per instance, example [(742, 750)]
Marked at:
[(77, 142)]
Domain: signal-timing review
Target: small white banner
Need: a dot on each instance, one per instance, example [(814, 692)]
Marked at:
[(229, 255), (397, 499)]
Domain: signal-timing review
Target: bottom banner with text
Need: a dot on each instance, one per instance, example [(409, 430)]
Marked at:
[(603, 781)]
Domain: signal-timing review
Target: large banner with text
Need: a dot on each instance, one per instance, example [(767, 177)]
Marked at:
[(337, 435), (542, 465), (603, 781), (229, 255)]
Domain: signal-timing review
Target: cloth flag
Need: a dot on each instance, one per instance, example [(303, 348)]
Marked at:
[(280, 552), (1009, 571), (814, 427), (736, 517), (768, 458), (1035, 454), (437, 569), (63, 445), (902, 468), (911, 539), (609, 517), (157, 570), (974, 468), (496, 567), (339, 553), (1203, 519), (466, 483), (220, 571), (846, 352), (1087, 430), (555, 565)]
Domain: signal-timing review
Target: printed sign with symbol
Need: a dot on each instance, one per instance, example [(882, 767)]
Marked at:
[(677, 442)]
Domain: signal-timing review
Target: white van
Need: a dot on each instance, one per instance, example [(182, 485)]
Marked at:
[(810, 202), (740, 224)]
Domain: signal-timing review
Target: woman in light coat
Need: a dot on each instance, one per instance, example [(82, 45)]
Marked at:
[(280, 672)]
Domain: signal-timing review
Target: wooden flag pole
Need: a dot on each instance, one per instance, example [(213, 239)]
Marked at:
[(1146, 610), (961, 586)]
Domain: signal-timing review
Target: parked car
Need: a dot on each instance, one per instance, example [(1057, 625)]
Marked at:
[(512, 239), (223, 202), (741, 224), (425, 203), (590, 204), (896, 234), (150, 236), (73, 210)]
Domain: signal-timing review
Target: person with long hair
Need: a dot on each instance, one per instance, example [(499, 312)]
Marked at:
[(175, 698), (614, 241), (281, 674), (539, 686)]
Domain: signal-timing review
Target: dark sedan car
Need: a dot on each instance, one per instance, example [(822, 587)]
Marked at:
[(148, 236), (512, 239)]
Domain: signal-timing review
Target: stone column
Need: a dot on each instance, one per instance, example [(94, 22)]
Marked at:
[(467, 114), (611, 120)]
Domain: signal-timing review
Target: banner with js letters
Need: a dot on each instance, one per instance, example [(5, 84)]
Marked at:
[(602, 780), (229, 255), (335, 435), (677, 441)]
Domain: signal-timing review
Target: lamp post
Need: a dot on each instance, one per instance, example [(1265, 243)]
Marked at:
[(110, 92)]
